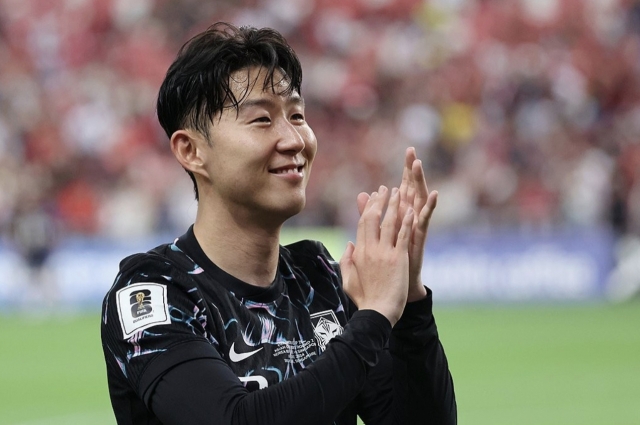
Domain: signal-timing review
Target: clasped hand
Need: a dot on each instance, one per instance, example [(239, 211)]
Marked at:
[(382, 271)]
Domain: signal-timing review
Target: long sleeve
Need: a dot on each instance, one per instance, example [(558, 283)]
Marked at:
[(413, 385), (206, 391)]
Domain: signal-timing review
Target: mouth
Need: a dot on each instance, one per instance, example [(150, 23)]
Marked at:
[(288, 170)]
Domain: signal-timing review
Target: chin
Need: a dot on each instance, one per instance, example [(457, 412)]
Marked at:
[(277, 210), (291, 208), (294, 209)]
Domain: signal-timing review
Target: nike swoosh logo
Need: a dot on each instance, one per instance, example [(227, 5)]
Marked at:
[(238, 357)]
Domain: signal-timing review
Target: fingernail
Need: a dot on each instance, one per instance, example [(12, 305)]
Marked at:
[(382, 189), (409, 211), (373, 195), (394, 191)]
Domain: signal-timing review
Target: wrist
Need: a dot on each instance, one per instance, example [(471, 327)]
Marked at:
[(391, 312), (417, 292)]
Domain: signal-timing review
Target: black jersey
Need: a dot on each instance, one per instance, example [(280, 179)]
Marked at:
[(260, 349)]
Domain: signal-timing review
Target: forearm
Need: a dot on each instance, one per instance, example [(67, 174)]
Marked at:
[(209, 391), (422, 384)]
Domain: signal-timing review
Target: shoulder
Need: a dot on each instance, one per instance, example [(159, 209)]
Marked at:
[(306, 251), (314, 262), (322, 272), (162, 264), (148, 287), (313, 259), (150, 281)]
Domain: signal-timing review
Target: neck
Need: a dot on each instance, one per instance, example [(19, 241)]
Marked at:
[(241, 247)]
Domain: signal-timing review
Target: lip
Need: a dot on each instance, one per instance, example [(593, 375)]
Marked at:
[(287, 169), (289, 172)]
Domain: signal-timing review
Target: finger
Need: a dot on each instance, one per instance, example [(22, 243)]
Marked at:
[(361, 232), (350, 283), (431, 204), (421, 192), (412, 187), (347, 256), (388, 229), (362, 200), (427, 210), (425, 217), (411, 193), (420, 182), (404, 235), (346, 262), (404, 184), (373, 214), (410, 160), (410, 156)]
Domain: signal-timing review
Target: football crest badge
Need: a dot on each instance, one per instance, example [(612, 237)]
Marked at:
[(325, 327)]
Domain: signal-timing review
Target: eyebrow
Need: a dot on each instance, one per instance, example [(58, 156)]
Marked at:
[(267, 103)]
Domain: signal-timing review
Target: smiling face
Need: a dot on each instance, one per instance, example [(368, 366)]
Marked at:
[(259, 157)]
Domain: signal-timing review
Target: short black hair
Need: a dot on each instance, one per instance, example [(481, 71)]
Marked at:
[(196, 86)]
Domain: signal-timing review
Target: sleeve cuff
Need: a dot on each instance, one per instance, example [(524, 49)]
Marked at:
[(416, 313), (367, 334)]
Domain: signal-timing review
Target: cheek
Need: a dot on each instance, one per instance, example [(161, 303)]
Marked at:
[(311, 143)]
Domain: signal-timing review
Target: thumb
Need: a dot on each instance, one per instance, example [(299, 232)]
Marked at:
[(350, 283), (346, 262)]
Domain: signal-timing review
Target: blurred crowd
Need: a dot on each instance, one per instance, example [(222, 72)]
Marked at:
[(526, 113)]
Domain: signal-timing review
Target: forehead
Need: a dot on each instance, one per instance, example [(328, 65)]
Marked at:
[(255, 81)]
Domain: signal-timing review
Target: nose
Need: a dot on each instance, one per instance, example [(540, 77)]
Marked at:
[(289, 138)]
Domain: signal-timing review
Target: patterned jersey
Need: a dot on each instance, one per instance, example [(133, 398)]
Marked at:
[(172, 305)]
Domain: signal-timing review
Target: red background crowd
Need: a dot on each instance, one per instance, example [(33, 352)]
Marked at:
[(526, 113)]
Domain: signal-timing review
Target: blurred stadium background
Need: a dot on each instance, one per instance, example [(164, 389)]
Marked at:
[(526, 114)]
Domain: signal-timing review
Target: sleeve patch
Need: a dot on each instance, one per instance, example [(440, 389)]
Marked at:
[(141, 306)]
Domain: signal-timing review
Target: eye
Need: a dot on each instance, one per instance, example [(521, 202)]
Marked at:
[(297, 117), (264, 119)]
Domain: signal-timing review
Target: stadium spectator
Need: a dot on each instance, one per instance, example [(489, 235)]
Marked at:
[(510, 105)]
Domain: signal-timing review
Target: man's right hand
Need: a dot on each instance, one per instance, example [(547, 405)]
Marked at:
[(376, 269)]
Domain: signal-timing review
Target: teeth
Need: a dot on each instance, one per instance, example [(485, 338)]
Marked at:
[(288, 171)]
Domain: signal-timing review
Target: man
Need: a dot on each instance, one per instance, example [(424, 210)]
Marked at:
[(224, 325)]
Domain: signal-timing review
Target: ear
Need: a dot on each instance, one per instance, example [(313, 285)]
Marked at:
[(187, 146)]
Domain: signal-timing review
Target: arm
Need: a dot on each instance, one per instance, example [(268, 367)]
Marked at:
[(414, 385), (420, 369), (411, 384), (206, 391), (427, 391)]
